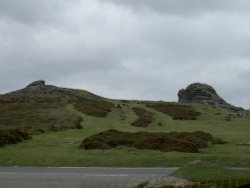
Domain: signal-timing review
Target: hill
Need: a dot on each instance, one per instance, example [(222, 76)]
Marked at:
[(60, 119)]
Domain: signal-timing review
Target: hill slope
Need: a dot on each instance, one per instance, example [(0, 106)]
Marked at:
[(41, 108)]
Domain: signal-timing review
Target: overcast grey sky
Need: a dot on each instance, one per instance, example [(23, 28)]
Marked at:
[(132, 49)]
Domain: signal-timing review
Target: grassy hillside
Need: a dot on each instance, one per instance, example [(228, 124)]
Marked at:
[(54, 116)]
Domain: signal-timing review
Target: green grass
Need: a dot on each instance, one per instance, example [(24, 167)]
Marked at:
[(214, 175), (210, 175), (208, 172), (49, 110), (63, 148)]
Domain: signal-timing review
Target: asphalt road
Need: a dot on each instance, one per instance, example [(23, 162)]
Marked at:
[(33, 177)]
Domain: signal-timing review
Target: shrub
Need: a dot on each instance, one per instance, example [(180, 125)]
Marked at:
[(38, 131), (228, 118), (176, 111), (144, 117), (173, 141), (53, 128), (12, 136), (97, 108), (77, 124)]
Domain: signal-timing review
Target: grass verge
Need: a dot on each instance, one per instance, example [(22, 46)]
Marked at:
[(214, 175)]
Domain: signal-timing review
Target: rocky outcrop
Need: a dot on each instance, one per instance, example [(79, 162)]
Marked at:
[(36, 84), (168, 181), (36, 87), (40, 88), (204, 94)]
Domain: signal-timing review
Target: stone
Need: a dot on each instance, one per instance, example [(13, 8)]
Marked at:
[(204, 94), (37, 83), (171, 181), (245, 143)]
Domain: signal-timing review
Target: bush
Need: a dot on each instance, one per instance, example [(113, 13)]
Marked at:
[(176, 111), (77, 124), (53, 128), (95, 108), (12, 136), (144, 117), (38, 131), (173, 141)]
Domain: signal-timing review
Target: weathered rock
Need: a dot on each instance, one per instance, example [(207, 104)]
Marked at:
[(245, 143), (171, 181), (37, 83), (204, 94)]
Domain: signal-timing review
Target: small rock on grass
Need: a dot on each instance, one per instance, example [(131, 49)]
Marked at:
[(245, 143)]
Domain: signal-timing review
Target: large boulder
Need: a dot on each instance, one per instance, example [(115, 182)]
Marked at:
[(204, 94)]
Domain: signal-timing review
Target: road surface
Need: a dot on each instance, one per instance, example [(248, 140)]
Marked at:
[(34, 177)]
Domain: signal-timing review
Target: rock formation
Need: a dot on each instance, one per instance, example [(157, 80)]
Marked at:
[(36, 87), (37, 83), (204, 94), (40, 88)]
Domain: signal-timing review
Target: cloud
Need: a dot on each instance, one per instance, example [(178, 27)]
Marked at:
[(31, 12), (183, 7), (127, 49)]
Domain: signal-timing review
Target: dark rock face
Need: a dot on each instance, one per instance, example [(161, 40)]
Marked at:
[(37, 83), (204, 94), (39, 87)]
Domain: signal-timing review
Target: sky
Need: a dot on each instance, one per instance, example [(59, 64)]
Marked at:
[(127, 49)]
